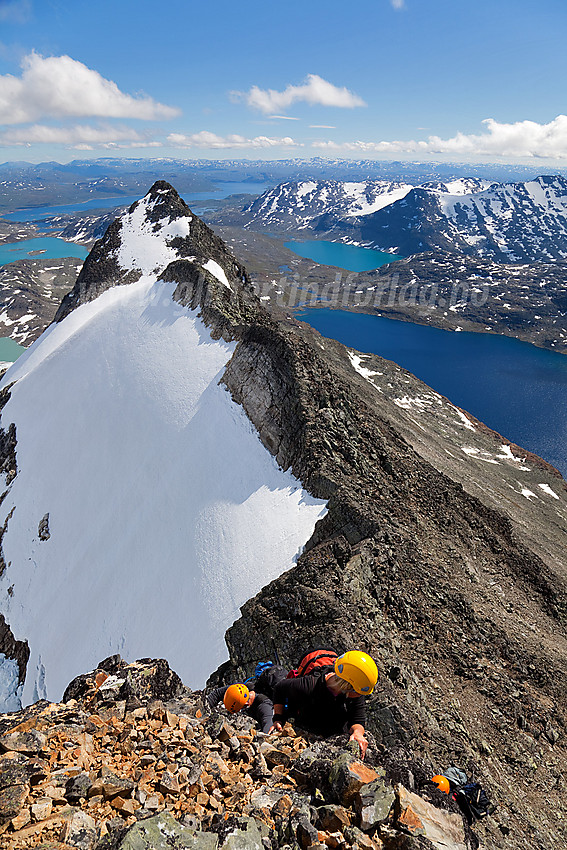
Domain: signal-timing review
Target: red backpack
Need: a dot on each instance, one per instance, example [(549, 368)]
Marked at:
[(313, 660)]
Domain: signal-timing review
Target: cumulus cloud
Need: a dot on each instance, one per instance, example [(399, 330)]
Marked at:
[(398, 4), (58, 86), (81, 136), (206, 139), (523, 139), (315, 91)]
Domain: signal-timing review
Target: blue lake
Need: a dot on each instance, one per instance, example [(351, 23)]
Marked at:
[(515, 388), (223, 190), (50, 247), (350, 257)]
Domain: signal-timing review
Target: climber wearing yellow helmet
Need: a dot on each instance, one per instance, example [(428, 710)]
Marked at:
[(331, 699)]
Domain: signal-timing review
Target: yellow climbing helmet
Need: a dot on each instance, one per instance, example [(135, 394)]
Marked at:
[(235, 698), (359, 670)]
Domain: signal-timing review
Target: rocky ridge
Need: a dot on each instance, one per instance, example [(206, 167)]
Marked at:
[(133, 760), (455, 585)]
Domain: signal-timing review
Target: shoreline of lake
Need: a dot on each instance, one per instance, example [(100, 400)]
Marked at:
[(513, 387)]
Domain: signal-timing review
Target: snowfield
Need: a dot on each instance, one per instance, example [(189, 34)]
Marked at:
[(166, 513)]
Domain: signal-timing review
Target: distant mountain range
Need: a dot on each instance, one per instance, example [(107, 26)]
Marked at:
[(507, 222), (24, 184)]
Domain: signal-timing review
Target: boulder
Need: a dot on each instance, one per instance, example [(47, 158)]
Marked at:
[(12, 799), (42, 808), (138, 682), (77, 787), (29, 743), (348, 775), (332, 818), (110, 785), (245, 836), (163, 832), (307, 835), (445, 830), (373, 803), (80, 831)]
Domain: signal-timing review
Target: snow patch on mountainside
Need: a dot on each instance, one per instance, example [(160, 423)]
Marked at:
[(217, 271), (299, 203), (166, 513), (144, 244)]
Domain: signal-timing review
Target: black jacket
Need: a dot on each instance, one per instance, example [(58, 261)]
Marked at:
[(262, 709), (315, 708)]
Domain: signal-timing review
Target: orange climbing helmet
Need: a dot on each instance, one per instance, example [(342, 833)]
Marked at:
[(442, 783), (235, 698)]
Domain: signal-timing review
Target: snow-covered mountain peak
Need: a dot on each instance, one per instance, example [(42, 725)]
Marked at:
[(150, 231), (156, 231), (296, 204)]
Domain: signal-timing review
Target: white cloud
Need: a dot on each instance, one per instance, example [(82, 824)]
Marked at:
[(523, 139), (82, 136), (398, 4), (58, 86), (322, 127), (205, 139), (284, 117), (315, 90)]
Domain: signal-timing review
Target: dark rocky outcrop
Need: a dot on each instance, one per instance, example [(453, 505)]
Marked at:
[(144, 680), (12, 648)]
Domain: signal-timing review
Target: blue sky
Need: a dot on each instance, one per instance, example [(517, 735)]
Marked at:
[(392, 79)]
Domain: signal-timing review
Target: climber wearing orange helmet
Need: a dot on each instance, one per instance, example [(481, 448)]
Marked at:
[(237, 697), (442, 783), (331, 699)]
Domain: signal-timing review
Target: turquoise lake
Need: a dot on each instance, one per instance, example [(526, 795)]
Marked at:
[(350, 257), (51, 248), (515, 388), (9, 350)]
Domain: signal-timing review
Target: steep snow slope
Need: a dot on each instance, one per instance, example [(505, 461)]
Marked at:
[(166, 513)]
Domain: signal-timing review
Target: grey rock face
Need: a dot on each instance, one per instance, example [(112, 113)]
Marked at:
[(373, 803)]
